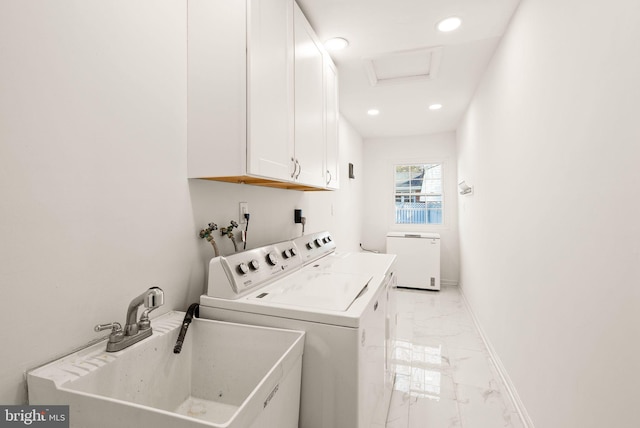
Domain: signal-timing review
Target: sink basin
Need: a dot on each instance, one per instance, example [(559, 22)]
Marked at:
[(227, 375)]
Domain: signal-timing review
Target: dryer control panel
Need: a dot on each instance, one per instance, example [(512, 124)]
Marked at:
[(233, 276), (314, 246)]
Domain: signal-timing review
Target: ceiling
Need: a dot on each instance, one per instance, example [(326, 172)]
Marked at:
[(392, 33)]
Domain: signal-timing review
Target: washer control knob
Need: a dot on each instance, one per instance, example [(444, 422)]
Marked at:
[(328, 238), (325, 239), (319, 242), (294, 252), (254, 264), (272, 258), (243, 268), (286, 253), (310, 245)]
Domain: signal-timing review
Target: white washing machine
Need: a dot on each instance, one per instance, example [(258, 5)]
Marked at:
[(418, 262), (339, 300)]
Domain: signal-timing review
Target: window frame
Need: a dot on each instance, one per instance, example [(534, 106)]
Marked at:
[(443, 181)]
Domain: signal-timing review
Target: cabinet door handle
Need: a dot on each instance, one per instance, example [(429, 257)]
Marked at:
[(295, 168), (329, 179), (299, 169)]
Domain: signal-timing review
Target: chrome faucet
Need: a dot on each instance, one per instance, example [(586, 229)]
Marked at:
[(134, 331)]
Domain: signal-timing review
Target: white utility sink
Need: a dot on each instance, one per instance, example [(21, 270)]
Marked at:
[(227, 375)]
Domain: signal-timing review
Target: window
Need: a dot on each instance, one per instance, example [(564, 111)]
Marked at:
[(418, 194)]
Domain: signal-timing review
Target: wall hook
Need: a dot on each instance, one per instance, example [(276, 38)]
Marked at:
[(465, 189)]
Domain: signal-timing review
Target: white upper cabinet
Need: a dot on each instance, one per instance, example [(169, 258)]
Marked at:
[(256, 95), (331, 123), (270, 88), (309, 103)]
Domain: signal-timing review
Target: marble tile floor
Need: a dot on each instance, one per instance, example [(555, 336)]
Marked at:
[(444, 376)]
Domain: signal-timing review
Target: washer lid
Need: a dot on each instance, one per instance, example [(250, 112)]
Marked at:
[(320, 290), (413, 235)]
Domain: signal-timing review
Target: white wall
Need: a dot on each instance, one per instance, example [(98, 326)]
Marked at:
[(380, 156), (95, 205), (340, 212), (550, 242)]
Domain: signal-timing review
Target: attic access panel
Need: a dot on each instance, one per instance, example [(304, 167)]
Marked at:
[(406, 66)]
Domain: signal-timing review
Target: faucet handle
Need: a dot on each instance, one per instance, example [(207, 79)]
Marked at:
[(116, 330), (114, 326)]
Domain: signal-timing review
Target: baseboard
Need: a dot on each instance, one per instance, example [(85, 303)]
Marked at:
[(495, 360), (448, 282)]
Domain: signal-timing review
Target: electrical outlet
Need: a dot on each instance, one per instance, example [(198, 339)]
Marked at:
[(244, 209)]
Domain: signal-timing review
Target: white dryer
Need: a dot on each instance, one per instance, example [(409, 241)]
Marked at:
[(339, 300)]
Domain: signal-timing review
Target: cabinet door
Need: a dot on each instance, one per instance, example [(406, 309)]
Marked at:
[(270, 88), (309, 104), (373, 397), (331, 123), (216, 90)]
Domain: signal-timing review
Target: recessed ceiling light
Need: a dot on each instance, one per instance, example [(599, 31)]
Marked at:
[(435, 106), (449, 24), (373, 112), (336, 44)]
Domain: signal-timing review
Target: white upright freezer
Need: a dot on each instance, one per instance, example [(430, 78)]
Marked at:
[(418, 259)]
